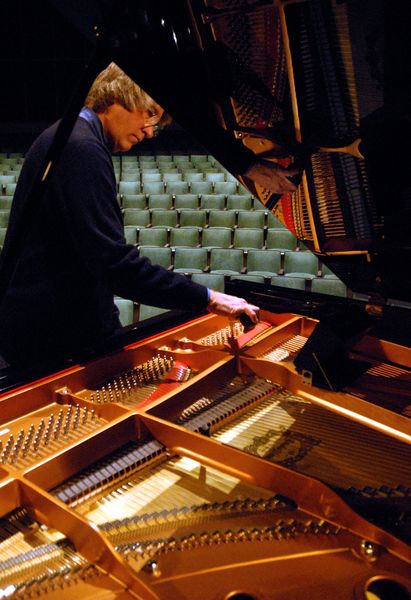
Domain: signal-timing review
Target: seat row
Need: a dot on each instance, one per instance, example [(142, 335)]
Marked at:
[(200, 218), (191, 201), (212, 237), (181, 187), (173, 173), (132, 159), (234, 261)]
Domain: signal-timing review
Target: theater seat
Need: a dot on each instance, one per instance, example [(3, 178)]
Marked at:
[(201, 187), (182, 201), (281, 239), (134, 216), (192, 218), (222, 218), (160, 201), (130, 233), (265, 263), (216, 237), (149, 236), (158, 256), (225, 187), (134, 201), (295, 283), (251, 219), (212, 201), (331, 286), (153, 187), (248, 238), (164, 218), (129, 187), (226, 261), (177, 187), (210, 280), (190, 260), (300, 264), (184, 236), (239, 202), (127, 310)]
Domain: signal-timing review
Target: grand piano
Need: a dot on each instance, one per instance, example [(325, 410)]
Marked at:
[(198, 457)]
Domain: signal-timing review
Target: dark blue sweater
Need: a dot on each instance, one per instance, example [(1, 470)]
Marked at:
[(75, 258)]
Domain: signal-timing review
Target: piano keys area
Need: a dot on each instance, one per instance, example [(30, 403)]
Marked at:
[(199, 464)]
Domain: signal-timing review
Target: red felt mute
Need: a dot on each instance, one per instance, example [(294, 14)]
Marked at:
[(179, 373)]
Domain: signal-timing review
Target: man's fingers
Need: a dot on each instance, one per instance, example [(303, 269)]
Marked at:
[(253, 312)]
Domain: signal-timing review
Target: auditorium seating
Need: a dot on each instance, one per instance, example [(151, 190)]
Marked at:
[(152, 236), (222, 218), (127, 310), (213, 281), (248, 237), (190, 260), (185, 236), (216, 237), (281, 239), (226, 261), (263, 262), (187, 213), (160, 201), (212, 201), (163, 218), (253, 219), (130, 233), (301, 264), (134, 201), (239, 201), (186, 201), (192, 218)]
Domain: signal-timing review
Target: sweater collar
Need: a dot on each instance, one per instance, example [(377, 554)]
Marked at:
[(91, 117)]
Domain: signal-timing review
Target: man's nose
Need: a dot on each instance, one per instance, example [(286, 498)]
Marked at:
[(148, 131)]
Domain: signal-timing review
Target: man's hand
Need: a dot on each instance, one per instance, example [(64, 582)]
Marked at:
[(231, 306), (273, 176)]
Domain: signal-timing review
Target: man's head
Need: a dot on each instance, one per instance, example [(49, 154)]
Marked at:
[(127, 113)]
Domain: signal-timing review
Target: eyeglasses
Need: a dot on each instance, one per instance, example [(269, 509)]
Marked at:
[(155, 121)]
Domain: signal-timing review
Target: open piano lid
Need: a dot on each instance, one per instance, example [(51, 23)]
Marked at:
[(293, 82)]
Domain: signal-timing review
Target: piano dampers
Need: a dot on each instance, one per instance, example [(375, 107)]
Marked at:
[(323, 72)]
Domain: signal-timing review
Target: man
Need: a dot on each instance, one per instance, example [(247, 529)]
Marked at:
[(75, 258)]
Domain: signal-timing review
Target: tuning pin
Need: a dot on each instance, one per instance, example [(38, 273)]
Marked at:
[(67, 420), (7, 448), (59, 422), (76, 417)]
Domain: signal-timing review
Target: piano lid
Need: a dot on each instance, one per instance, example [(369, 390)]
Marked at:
[(293, 82)]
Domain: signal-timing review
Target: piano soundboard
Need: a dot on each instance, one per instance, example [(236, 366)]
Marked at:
[(233, 478)]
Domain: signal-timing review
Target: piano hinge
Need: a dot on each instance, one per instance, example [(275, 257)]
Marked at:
[(307, 377)]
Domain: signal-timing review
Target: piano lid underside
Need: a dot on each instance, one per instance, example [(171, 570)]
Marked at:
[(295, 90)]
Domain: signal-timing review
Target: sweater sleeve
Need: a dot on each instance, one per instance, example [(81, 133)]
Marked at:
[(85, 184)]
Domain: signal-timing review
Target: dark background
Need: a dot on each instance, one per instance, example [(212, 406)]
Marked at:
[(42, 57)]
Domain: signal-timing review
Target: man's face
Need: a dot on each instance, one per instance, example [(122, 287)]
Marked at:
[(125, 128)]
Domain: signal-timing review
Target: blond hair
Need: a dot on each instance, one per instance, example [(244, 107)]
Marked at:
[(113, 86)]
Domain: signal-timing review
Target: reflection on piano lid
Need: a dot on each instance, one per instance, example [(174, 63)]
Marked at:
[(290, 82)]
